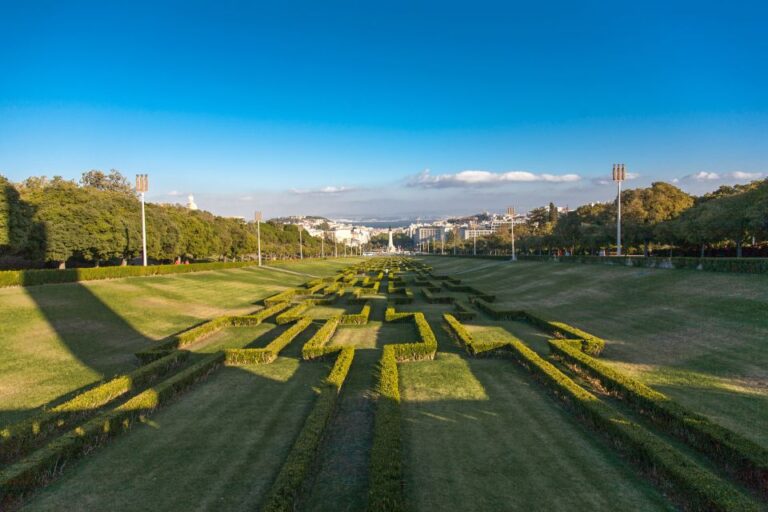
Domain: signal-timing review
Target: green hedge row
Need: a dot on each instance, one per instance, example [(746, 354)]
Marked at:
[(284, 493), (589, 343), (205, 329), (18, 438), (474, 348), (52, 276), (463, 311), (430, 297), (284, 296), (386, 472), (39, 467), (745, 459), (426, 349), (316, 346), (737, 265), (360, 318), (295, 313), (268, 354), (693, 486), (390, 315)]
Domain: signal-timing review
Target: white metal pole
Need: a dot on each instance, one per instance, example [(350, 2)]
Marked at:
[(301, 243), (618, 224), (143, 231), (322, 245), (474, 242), (442, 242)]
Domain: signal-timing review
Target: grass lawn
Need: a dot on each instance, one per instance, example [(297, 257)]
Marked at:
[(63, 337), (480, 434), (700, 337), (217, 448)]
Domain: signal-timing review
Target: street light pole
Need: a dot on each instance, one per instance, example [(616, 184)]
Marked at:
[(301, 244), (322, 245), (442, 242), (473, 226), (511, 212), (142, 186), (257, 217), (619, 175), (335, 246)]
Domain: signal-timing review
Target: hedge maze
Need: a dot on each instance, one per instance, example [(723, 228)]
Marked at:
[(413, 315)]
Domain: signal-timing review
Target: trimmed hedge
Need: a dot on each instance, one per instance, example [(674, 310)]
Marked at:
[(426, 349), (693, 486), (737, 265), (390, 315), (18, 438), (284, 493), (360, 318), (268, 354), (463, 312), (589, 343), (316, 346), (436, 299), (199, 332), (73, 275), (44, 463), (474, 348), (741, 457), (386, 473), (295, 313), (284, 296)]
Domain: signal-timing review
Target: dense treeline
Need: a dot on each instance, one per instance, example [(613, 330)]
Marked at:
[(660, 219), (97, 221)]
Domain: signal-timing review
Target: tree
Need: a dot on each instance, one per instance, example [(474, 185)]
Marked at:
[(114, 181), (645, 208)]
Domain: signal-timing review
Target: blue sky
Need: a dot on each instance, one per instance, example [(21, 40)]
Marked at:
[(339, 108)]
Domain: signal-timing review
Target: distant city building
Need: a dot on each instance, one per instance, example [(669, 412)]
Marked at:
[(469, 233), (423, 234)]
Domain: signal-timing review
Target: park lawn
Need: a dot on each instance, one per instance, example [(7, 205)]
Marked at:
[(60, 338), (480, 434), (234, 337), (219, 447), (374, 334), (699, 337)]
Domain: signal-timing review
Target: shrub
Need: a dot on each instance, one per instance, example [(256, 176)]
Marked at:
[(50, 276), (418, 351), (436, 299), (266, 355), (742, 457), (474, 348), (385, 491), (360, 318), (42, 464), (316, 346), (284, 296), (18, 438), (284, 493), (698, 488), (390, 315), (295, 313), (463, 312)]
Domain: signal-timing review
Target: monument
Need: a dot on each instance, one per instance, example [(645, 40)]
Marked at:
[(391, 245), (191, 202)]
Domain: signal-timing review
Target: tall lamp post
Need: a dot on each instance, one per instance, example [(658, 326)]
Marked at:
[(142, 186), (511, 213), (257, 217), (442, 241), (322, 245), (473, 227), (301, 243), (619, 175)]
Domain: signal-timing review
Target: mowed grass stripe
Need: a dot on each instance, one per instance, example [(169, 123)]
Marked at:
[(505, 446), (61, 338), (698, 337), (218, 448)]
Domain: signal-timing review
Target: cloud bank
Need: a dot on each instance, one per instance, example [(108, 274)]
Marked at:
[(472, 178)]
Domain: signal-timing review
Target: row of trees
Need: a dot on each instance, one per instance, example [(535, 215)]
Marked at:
[(98, 220), (658, 218)]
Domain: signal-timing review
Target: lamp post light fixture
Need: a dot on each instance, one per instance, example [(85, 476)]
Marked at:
[(619, 175), (142, 186), (511, 213), (257, 217)]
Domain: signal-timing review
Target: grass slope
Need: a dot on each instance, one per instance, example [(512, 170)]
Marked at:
[(217, 448), (63, 337), (699, 337)]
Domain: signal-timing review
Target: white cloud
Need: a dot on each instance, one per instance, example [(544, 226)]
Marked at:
[(739, 175), (713, 176), (175, 193), (473, 178), (324, 190)]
